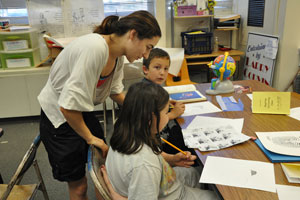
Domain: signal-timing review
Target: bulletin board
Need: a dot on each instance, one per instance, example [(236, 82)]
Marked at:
[(260, 57)]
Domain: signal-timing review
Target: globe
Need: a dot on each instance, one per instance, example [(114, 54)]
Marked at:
[(223, 67), (229, 67)]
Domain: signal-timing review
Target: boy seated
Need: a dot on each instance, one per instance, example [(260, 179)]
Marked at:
[(156, 68)]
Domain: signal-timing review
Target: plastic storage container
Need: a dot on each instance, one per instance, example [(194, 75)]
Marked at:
[(18, 40), (186, 10), (196, 43), (22, 58)]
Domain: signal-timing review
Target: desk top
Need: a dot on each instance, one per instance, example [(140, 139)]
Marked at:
[(249, 150), (215, 54)]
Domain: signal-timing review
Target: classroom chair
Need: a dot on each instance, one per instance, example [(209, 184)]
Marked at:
[(13, 190), (95, 160), (183, 77)]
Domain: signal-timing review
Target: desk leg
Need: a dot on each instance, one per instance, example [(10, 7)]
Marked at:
[(212, 187), (1, 180)]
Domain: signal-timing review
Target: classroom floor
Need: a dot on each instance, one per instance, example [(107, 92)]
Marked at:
[(18, 135)]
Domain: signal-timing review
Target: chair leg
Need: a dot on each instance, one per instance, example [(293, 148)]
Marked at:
[(42, 186), (105, 119)]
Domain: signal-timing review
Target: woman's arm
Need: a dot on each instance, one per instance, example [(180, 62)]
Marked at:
[(119, 98), (75, 120)]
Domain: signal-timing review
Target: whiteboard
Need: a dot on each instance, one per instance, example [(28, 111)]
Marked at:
[(260, 57)]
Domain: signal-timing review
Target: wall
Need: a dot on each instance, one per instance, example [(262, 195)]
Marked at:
[(288, 57), (163, 16), (280, 18)]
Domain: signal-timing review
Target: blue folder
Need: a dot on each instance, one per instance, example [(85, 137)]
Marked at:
[(275, 157)]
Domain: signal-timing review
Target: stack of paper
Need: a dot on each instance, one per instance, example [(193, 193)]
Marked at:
[(292, 172), (280, 146), (212, 133)]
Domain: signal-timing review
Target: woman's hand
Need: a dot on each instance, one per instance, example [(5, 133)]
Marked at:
[(100, 144), (113, 193)]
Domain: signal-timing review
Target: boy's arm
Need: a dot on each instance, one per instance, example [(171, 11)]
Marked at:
[(178, 110)]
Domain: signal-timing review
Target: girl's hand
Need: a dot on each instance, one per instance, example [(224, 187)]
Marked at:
[(114, 194), (182, 160), (100, 144)]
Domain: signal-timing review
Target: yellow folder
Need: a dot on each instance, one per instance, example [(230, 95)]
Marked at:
[(271, 102)]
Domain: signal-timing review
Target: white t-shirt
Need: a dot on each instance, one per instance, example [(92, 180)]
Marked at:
[(74, 75), (145, 175)]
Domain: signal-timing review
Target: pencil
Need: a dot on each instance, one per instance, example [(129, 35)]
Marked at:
[(172, 145)]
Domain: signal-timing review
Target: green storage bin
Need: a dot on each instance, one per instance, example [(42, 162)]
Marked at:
[(18, 40), (22, 58)]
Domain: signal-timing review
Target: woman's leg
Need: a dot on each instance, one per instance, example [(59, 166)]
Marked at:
[(78, 189)]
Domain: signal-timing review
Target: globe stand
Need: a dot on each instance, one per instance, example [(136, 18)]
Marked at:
[(221, 87)]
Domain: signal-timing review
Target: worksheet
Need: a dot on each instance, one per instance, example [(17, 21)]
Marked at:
[(239, 173), (286, 192), (200, 108), (212, 133)]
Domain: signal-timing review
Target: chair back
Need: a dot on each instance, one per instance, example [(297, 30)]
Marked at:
[(25, 164), (95, 160), (183, 76)]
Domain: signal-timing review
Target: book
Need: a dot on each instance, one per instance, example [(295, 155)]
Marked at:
[(185, 93), (271, 102), (291, 171), (275, 157)]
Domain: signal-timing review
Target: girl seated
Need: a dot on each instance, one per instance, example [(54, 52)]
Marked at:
[(134, 163)]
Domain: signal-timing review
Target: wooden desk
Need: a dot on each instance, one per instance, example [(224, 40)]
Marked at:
[(203, 59), (249, 150)]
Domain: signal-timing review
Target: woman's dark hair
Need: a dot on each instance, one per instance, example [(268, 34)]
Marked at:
[(156, 53), (142, 21), (133, 127)]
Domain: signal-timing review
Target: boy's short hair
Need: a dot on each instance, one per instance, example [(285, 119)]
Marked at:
[(155, 53)]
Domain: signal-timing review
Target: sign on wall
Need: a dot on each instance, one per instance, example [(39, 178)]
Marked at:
[(260, 58)]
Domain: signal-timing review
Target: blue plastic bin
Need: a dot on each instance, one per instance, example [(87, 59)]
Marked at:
[(196, 43)]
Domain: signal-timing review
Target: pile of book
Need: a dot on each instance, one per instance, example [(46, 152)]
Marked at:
[(284, 148)]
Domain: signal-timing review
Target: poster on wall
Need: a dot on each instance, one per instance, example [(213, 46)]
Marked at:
[(260, 57)]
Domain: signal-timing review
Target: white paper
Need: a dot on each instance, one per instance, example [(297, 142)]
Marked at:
[(180, 88), (200, 108), (287, 142), (213, 138), (212, 133), (239, 173), (271, 48), (201, 121), (232, 99), (250, 96), (295, 113), (176, 56), (286, 192), (221, 102)]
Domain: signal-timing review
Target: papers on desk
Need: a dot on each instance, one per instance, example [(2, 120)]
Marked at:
[(295, 113), (239, 173), (271, 102), (211, 133), (285, 192), (229, 103), (286, 143), (200, 108), (291, 171)]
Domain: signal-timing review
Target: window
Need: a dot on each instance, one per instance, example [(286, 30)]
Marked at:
[(122, 8), (256, 12), (16, 12)]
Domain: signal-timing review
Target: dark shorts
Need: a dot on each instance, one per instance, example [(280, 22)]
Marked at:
[(67, 151)]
